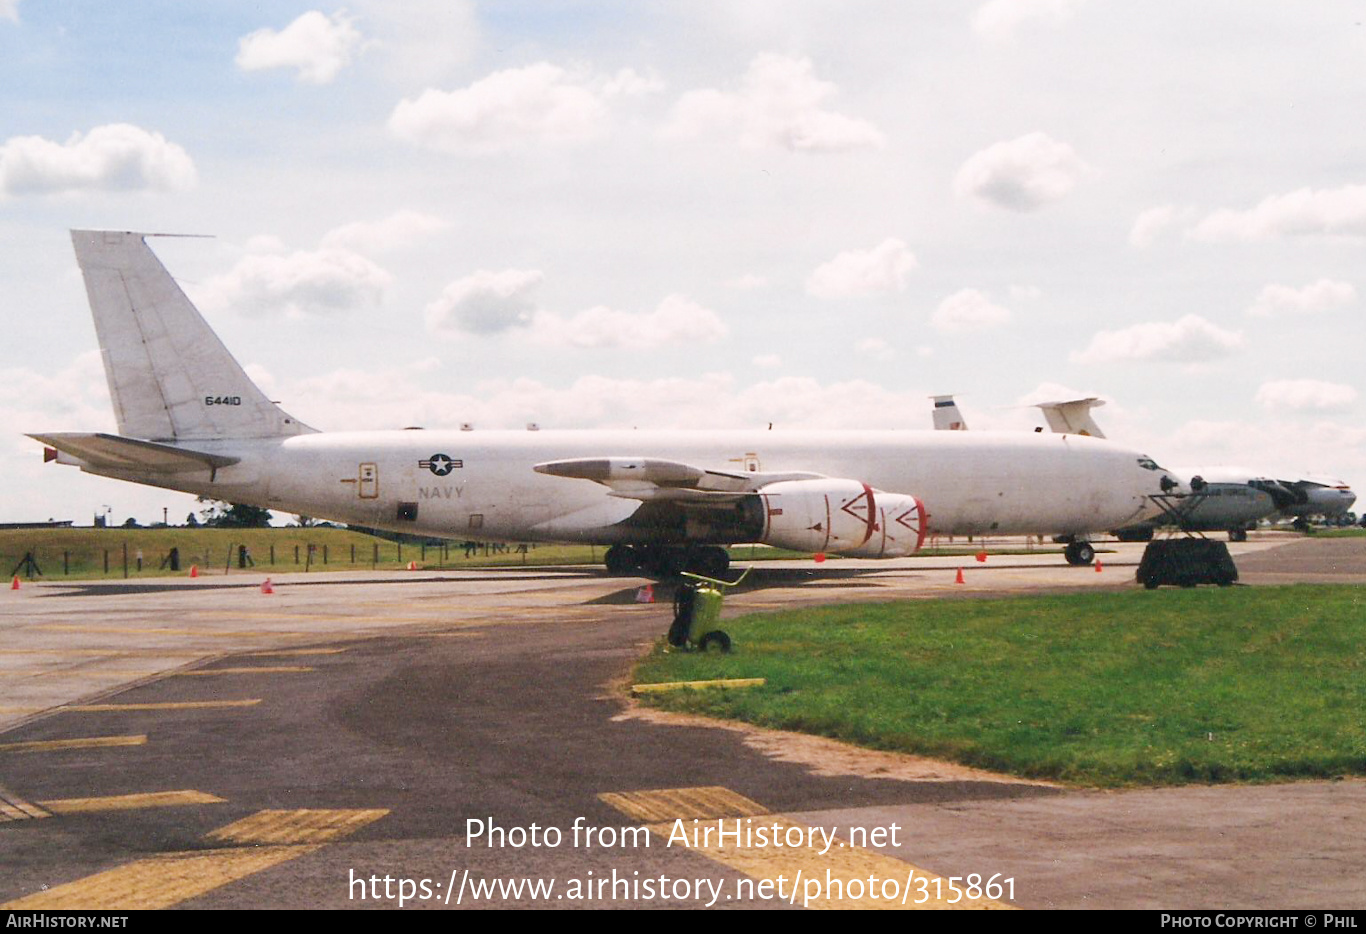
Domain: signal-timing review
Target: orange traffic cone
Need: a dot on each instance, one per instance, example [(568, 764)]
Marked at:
[(959, 578), (194, 570), (266, 587), (14, 585), (646, 594), (1098, 567), (819, 557), (982, 557), (412, 565)]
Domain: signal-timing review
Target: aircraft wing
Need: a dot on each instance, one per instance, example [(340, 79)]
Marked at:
[(112, 452), (653, 480)]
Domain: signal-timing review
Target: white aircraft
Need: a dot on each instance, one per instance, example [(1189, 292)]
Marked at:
[(190, 419), (1231, 499), (1317, 496)]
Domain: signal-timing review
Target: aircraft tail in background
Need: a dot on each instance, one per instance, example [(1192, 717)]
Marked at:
[(946, 415), (1072, 417)]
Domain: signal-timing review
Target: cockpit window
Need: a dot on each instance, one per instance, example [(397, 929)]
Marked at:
[(1147, 463)]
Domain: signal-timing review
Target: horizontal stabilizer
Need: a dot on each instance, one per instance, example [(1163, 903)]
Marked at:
[(111, 452)]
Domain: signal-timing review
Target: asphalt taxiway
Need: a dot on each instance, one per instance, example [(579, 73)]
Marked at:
[(176, 743)]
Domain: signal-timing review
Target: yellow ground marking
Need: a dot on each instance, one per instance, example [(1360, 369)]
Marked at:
[(262, 670), (662, 686), (670, 803), (111, 653), (164, 631), (154, 799), (175, 705), (282, 652), (14, 808), (82, 672), (682, 816), (305, 826), (160, 881), (171, 878), (88, 742)]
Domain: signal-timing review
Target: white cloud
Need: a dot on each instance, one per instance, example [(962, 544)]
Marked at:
[(323, 281), (676, 320), (968, 310), (1330, 212), (1190, 339), (748, 281), (316, 45), (630, 83), (1151, 224), (114, 157), (72, 398), (485, 302), (489, 303), (998, 19), (780, 102), (420, 42), (856, 273), (1021, 174), (394, 232), (1275, 300), (1305, 394), (875, 348), (9, 9), (538, 104)]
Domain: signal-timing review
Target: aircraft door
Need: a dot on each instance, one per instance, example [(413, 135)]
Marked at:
[(368, 487)]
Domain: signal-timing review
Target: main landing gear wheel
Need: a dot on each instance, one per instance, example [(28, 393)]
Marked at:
[(1237, 535), (621, 560), (715, 639), (710, 561), (1079, 553)]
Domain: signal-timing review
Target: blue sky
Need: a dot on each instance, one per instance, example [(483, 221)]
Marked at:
[(697, 214)]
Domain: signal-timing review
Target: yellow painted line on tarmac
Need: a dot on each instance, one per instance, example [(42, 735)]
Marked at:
[(663, 686), (261, 670), (14, 808), (86, 742), (283, 652), (154, 799), (158, 882), (165, 631), (297, 826), (173, 705), (170, 878), (710, 801), (788, 855), (110, 652)]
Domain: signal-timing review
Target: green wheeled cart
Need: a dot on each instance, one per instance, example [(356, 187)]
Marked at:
[(697, 613)]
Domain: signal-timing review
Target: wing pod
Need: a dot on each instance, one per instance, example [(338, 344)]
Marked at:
[(841, 516)]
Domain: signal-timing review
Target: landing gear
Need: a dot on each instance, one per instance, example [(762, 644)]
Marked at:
[(665, 561), (1237, 535), (1079, 553)]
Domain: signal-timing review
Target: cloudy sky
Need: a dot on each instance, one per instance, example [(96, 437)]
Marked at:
[(696, 214)]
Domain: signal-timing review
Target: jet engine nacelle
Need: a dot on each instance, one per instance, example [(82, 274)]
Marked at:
[(900, 528), (841, 516)]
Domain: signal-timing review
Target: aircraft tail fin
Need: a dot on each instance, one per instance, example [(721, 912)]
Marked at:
[(946, 415), (170, 377), (1072, 417)]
